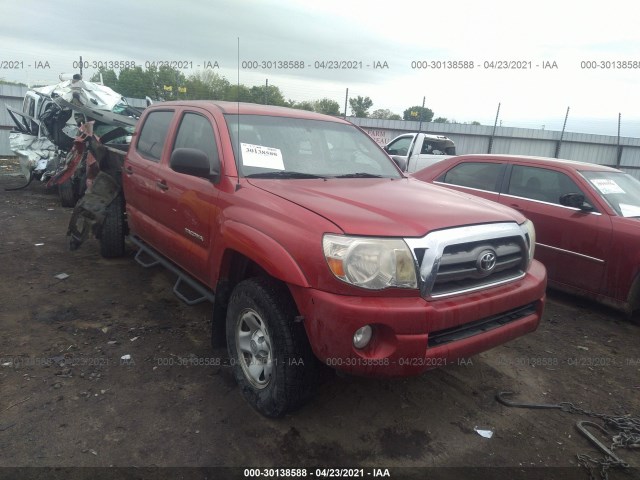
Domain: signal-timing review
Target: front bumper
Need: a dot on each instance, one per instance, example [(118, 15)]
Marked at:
[(412, 335)]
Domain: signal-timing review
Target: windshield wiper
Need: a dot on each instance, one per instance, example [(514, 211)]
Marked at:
[(283, 174), (359, 175)]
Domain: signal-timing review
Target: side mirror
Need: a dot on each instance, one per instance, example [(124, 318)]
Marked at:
[(575, 200), (386, 148), (400, 161), (192, 161)]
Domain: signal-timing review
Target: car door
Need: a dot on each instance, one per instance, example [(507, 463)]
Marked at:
[(570, 242), (399, 150), (144, 211), (191, 202)]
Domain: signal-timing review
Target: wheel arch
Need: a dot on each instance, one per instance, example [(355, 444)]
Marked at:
[(248, 253), (240, 241)]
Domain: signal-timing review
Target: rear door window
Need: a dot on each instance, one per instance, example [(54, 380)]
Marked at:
[(154, 134), (430, 147), (541, 184), (478, 175)]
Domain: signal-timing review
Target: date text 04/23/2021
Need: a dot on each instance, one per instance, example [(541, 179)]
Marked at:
[(317, 473)]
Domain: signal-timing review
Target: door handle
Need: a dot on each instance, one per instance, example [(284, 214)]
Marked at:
[(128, 170), (516, 206), (162, 185)]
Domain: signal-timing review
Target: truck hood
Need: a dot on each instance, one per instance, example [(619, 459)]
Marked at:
[(383, 207)]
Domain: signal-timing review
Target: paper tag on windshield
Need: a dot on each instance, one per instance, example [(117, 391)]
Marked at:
[(607, 186), (263, 157)]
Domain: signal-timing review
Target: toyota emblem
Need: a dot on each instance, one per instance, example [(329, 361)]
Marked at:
[(486, 262)]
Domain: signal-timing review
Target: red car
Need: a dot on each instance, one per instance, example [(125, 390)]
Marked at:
[(586, 218)]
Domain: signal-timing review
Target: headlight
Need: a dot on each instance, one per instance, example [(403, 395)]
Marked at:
[(530, 232), (373, 263)]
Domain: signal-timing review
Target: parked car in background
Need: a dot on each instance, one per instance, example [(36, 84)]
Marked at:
[(587, 218), (414, 151)]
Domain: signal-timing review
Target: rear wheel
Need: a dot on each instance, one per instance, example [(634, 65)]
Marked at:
[(269, 351), (67, 193), (113, 230)]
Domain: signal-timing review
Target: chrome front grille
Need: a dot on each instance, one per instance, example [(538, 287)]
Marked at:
[(465, 259), (459, 269)]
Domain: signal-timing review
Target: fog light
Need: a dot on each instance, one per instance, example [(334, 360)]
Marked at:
[(362, 337)]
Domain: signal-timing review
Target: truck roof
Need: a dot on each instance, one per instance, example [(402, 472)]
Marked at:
[(251, 109)]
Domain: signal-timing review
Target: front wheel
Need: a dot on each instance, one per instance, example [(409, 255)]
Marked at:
[(269, 351)]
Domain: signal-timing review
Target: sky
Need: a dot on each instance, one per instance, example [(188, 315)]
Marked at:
[(250, 40)]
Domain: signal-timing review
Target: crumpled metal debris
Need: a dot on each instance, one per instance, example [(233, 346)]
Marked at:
[(33, 153), (50, 126)]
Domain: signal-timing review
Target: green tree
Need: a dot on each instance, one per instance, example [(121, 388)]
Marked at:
[(238, 93), (206, 85), (275, 96), (441, 120), (269, 95), (385, 114), (360, 106), (475, 122), (135, 82), (166, 76), (304, 105), (327, 106), (418, 113), (109, 78), (198, 90)]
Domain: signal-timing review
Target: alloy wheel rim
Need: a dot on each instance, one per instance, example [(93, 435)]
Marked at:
[(253, 345)]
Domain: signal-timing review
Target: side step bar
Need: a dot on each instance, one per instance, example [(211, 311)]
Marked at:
[(187, 289)]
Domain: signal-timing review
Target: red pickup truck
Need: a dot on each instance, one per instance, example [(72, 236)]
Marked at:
[(312, 244)]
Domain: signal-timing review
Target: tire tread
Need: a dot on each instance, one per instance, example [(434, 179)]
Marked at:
[(298, 381), (113, 229)]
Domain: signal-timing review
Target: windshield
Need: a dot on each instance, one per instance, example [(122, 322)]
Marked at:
[(281, 147), (620, 190)]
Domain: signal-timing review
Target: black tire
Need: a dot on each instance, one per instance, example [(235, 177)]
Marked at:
[(113, 230), (67, 193), (289, 370)]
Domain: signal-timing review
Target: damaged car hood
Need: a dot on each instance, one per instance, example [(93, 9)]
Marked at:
[(81, 92), (44, 135)]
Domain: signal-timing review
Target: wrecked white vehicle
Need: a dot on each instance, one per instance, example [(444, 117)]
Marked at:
[(50, 137)]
